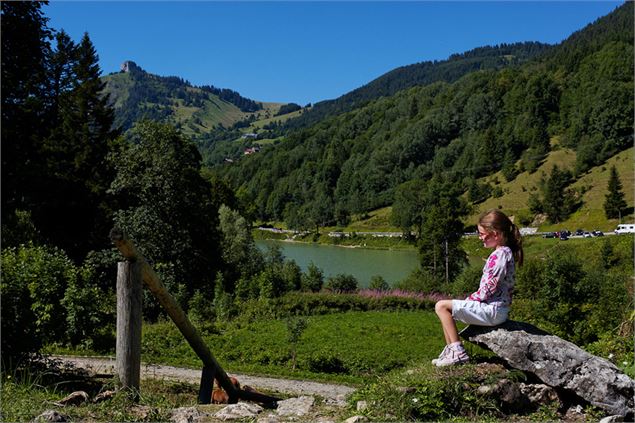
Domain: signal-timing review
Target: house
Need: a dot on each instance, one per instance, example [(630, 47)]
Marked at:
[(251, 150)]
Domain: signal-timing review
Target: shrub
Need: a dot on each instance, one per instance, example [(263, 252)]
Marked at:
[(420, 281), (378, 283), (313, 279), (467, 282), (33, 283), (341, 283)]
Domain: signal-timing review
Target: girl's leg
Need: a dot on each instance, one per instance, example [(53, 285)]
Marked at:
[(443, 309)]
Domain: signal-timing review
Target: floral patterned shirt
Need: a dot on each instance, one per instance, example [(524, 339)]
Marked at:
[(497, 282)]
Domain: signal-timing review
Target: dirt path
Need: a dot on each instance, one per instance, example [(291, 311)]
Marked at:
[(106, 365)]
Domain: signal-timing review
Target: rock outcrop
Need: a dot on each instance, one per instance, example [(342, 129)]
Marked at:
[(558, 363)]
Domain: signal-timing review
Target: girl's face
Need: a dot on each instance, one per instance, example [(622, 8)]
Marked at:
[(489, 239)]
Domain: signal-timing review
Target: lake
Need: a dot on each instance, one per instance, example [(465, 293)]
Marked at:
[(392, 265)]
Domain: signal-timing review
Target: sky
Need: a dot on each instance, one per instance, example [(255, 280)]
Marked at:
[(300, 51)]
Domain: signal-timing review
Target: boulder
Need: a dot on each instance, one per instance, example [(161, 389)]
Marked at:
[(558, 363)]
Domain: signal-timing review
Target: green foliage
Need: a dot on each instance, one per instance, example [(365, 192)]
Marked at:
[(572, 296), (614, 204), (168, 208), (379, 283), (46, 299), (342, 283), (239, 249), (420, 280), (313, 279), (431, 395), (558, 201)]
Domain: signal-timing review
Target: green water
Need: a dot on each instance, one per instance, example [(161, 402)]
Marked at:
[(392, 265)]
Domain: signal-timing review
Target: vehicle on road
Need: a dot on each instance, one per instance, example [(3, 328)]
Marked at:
[(628, 228)]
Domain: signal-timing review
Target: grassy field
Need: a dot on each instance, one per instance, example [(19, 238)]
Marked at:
[(349, 347)]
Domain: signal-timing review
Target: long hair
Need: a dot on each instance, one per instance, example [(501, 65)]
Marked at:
[(496, 221)]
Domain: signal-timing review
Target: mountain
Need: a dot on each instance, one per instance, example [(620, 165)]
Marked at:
[(577, 95), (197, 111), (424, 73)]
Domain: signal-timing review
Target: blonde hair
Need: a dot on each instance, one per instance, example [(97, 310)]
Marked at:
[(496, 221)]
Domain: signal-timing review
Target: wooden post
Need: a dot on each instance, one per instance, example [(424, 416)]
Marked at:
[(178, 316), (207, 385), (128, 350)]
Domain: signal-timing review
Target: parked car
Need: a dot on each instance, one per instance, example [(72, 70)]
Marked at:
[(597, 233), (563, 236), (587, 235), (549, 235), (579, 232)]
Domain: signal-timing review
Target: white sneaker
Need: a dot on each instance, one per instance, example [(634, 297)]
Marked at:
[(453, 356), (445, 349)]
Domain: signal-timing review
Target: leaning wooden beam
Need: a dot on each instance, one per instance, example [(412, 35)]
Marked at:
[(178, 316)]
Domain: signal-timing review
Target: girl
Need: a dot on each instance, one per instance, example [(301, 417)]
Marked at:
[(489, 306)]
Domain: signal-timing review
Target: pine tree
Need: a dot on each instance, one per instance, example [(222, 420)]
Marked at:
[(74, 213), (25, 46), (614, 203)]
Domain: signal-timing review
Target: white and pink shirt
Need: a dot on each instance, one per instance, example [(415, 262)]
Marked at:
[(497, 282)]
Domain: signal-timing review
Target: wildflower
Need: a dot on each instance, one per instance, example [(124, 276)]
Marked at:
[(610, 356), (415, 400), (625, 363)]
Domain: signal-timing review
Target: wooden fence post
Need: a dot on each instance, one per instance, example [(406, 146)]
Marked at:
[(129, 296), (211, 368)]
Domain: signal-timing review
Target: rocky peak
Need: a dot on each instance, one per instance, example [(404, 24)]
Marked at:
[(129, 66)]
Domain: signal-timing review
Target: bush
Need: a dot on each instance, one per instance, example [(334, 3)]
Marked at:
[(378, 283), (313, 279), (341, 283), (33, 283), (467, 282), (421, 281)]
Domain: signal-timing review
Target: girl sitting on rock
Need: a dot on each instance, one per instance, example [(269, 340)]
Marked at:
[(489, 306)]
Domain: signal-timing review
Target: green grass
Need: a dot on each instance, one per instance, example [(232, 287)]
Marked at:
[(26, 396), (591, 215), (348, 347)]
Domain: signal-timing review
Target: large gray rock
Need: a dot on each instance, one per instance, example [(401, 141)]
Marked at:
[(558, 363)]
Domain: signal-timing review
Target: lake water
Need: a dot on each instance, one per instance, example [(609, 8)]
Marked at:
[(392, 265)]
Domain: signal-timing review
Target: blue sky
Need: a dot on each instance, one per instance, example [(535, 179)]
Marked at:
[(305, 51)]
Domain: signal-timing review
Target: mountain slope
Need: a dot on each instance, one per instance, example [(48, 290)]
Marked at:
[(450, 70), (488, 121), (136, 94)]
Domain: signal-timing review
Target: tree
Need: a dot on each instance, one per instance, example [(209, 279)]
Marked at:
[(558, 201), (25, 47), (76, 213), (614, 202), (168, 209), (239, 250), (439, 245), (313, 279)]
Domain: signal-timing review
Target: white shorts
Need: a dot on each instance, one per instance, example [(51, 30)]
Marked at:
[(478, 313)]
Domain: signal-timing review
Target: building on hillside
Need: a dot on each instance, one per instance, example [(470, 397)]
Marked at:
[(251, 150)]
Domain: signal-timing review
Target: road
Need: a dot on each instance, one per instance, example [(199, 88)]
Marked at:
[(106, 365)]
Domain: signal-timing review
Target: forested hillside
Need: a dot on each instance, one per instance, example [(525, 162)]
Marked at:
[(404, 149), (456, 66)]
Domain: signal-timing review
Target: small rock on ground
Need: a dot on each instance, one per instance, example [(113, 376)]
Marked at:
[(238, 411), (299, 406), (50, 416)]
